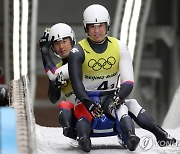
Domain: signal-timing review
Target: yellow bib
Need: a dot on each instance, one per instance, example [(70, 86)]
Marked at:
[(100, 66)]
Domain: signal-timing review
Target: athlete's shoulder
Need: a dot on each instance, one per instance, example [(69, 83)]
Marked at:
[(77, 53), (123, 46), (77, 48), (110, 38), (122, 43)]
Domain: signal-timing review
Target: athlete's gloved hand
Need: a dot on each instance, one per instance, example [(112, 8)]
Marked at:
[(60, 80), (111, 103), (115, 103), (96, 110), (44, 39)]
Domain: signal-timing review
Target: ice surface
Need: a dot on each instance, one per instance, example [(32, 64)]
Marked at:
[(50, 140)]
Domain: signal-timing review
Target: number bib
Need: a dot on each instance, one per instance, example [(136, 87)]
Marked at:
[(101, 71)]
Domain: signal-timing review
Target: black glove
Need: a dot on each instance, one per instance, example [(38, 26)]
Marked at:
[(94, 108), (111, 102), (44, 39)]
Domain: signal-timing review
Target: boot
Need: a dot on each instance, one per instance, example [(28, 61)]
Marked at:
[(145, 121), (65, 120), (132, 141), (128, 129), (83, 128), (163, 138), (85, 143), (69, 131)]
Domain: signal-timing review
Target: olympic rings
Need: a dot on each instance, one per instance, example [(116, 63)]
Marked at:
[(101, 63)]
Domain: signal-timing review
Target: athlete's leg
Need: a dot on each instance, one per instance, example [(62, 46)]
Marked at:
[(145, 121), (83, 127), (128, 128), (126, 123), (66, 118)]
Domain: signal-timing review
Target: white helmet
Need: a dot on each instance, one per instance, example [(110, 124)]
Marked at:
[(96, 14), (60, 31)]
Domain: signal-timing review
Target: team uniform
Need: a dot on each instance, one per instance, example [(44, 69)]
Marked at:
[(101, 71), (101, 74), (60, 38), (96, 65), (95, 78)]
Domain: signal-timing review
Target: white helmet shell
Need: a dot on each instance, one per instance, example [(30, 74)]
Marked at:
[(60, 31), (96, 14)]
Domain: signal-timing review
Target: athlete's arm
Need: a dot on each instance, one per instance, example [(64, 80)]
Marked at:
[(75, 60), (126, 72), (54, 93), (46, 55)]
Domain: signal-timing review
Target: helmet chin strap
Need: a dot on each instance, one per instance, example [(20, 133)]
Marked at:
[(55, 53)]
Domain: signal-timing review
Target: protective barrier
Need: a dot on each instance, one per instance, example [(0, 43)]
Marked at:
[(20, 100)]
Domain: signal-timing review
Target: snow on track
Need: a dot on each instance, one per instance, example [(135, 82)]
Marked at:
[(50, 140)]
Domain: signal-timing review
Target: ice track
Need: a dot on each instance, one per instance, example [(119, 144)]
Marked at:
[(51, 141)]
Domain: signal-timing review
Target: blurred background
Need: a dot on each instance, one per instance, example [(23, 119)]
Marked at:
[(156, 56)]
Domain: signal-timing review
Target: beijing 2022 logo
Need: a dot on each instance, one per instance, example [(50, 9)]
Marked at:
[(96, 65)]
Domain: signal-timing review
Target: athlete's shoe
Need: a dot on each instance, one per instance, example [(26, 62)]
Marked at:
[(85, 144), (132, 141), (163, 138), (69, 132)]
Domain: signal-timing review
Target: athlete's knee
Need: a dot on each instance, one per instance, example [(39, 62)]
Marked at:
[(80, 111), (123, 110), (128, 101), (131, 103), (133, 106), (65, 105)]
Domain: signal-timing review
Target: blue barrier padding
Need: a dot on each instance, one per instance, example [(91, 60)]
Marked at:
[(8, 137)]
